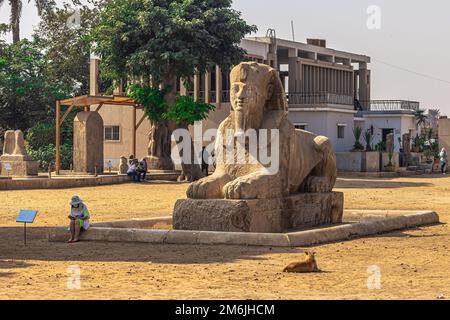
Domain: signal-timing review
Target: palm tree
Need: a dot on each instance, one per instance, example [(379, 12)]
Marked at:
[(16, 13), (420, 116)]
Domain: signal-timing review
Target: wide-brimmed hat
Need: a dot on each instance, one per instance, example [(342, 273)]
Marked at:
[(75, 200)]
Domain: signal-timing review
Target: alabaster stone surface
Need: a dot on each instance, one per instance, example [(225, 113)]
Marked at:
[(256, 195), (275, 215), (306, 162)]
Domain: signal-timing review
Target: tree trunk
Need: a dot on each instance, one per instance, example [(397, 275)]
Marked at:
[(190, 171), (15, 20)]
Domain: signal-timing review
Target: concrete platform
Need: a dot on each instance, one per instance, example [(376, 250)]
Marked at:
[(61, 182), (397, 174), (77, 180), (357, 223)]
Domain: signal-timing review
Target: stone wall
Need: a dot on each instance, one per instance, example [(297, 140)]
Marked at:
[(444, 134), (358, 161)]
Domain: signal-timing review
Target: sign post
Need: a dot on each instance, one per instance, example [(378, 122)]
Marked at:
[(26, 216)]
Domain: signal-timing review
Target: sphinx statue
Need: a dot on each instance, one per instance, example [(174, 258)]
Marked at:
[(247, 193)]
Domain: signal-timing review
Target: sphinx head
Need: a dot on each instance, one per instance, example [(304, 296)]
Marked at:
[(255, 89)]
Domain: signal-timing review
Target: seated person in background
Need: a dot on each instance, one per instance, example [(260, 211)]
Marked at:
[(133, 160), (132, 172), (79, 218), (142, 169)]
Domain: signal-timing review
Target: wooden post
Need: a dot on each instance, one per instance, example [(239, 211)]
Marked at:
[(133, 127), (58, 129)]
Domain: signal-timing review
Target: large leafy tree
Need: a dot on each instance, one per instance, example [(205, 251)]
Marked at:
[(16, 13), (162, 40), (26, 93), (68, 46)]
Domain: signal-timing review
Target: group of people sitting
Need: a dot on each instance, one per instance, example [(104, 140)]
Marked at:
[(137, 169)]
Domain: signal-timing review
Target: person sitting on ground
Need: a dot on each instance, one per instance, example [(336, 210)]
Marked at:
[(443, 160), (79, 218), (142, 169), (133, 173)]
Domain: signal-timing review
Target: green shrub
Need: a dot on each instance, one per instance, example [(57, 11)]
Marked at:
[(46, 155), (40, 135)]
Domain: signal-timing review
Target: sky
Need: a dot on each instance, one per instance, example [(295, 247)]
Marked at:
[(408, 40)]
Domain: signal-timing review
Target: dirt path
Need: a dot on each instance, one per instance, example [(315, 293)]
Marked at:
[(413, 264)]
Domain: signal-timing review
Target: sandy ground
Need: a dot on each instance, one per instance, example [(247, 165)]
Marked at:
[(413, 264)]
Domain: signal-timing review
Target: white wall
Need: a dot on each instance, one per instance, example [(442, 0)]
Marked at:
[(401, 123), (325, 123)]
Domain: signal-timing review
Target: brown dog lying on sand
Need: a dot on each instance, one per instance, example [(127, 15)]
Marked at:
[(309, 264)]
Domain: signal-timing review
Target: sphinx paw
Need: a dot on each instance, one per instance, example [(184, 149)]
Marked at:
[(239, 189), (206, 188), (317, 185)]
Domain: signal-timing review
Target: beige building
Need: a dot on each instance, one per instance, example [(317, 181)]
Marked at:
[(328, 92)]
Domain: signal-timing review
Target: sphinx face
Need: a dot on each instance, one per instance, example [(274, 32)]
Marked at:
[(248, 100)]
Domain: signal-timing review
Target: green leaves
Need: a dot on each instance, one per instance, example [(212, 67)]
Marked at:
[(151, 99), (186, 111), (183, 111), (152, 38)]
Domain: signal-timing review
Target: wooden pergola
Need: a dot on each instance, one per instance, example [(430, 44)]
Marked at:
[(86, 102)]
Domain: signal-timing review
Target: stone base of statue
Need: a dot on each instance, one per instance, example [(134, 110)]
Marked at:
[(21, 166), (261, 215), (159, 163)]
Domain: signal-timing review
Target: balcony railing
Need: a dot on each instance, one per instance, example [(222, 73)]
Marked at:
[(391, 105), (319, 98)]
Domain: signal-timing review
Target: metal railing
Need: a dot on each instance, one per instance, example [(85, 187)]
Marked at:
[(391, 105), (317, 98)]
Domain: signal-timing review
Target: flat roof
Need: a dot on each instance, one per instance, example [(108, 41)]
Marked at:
[(289, 44)]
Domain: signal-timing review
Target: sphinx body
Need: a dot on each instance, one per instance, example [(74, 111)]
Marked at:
[(305, 162)]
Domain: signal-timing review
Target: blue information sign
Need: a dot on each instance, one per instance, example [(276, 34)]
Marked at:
[(26, 216)]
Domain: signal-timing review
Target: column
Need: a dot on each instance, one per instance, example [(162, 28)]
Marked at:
[(133, 130), (118, 87), (218, 86), (207, 86), (364, 84), (355, 84), (93, 77), (196, 86), (183, 89), (293, 74)]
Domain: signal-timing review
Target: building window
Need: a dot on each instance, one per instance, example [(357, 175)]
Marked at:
[(301, 126), (112, 133), (341, 131)]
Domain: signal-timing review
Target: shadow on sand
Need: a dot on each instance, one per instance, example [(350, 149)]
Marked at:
[(14, 252), (38, 248), (369, 183)]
